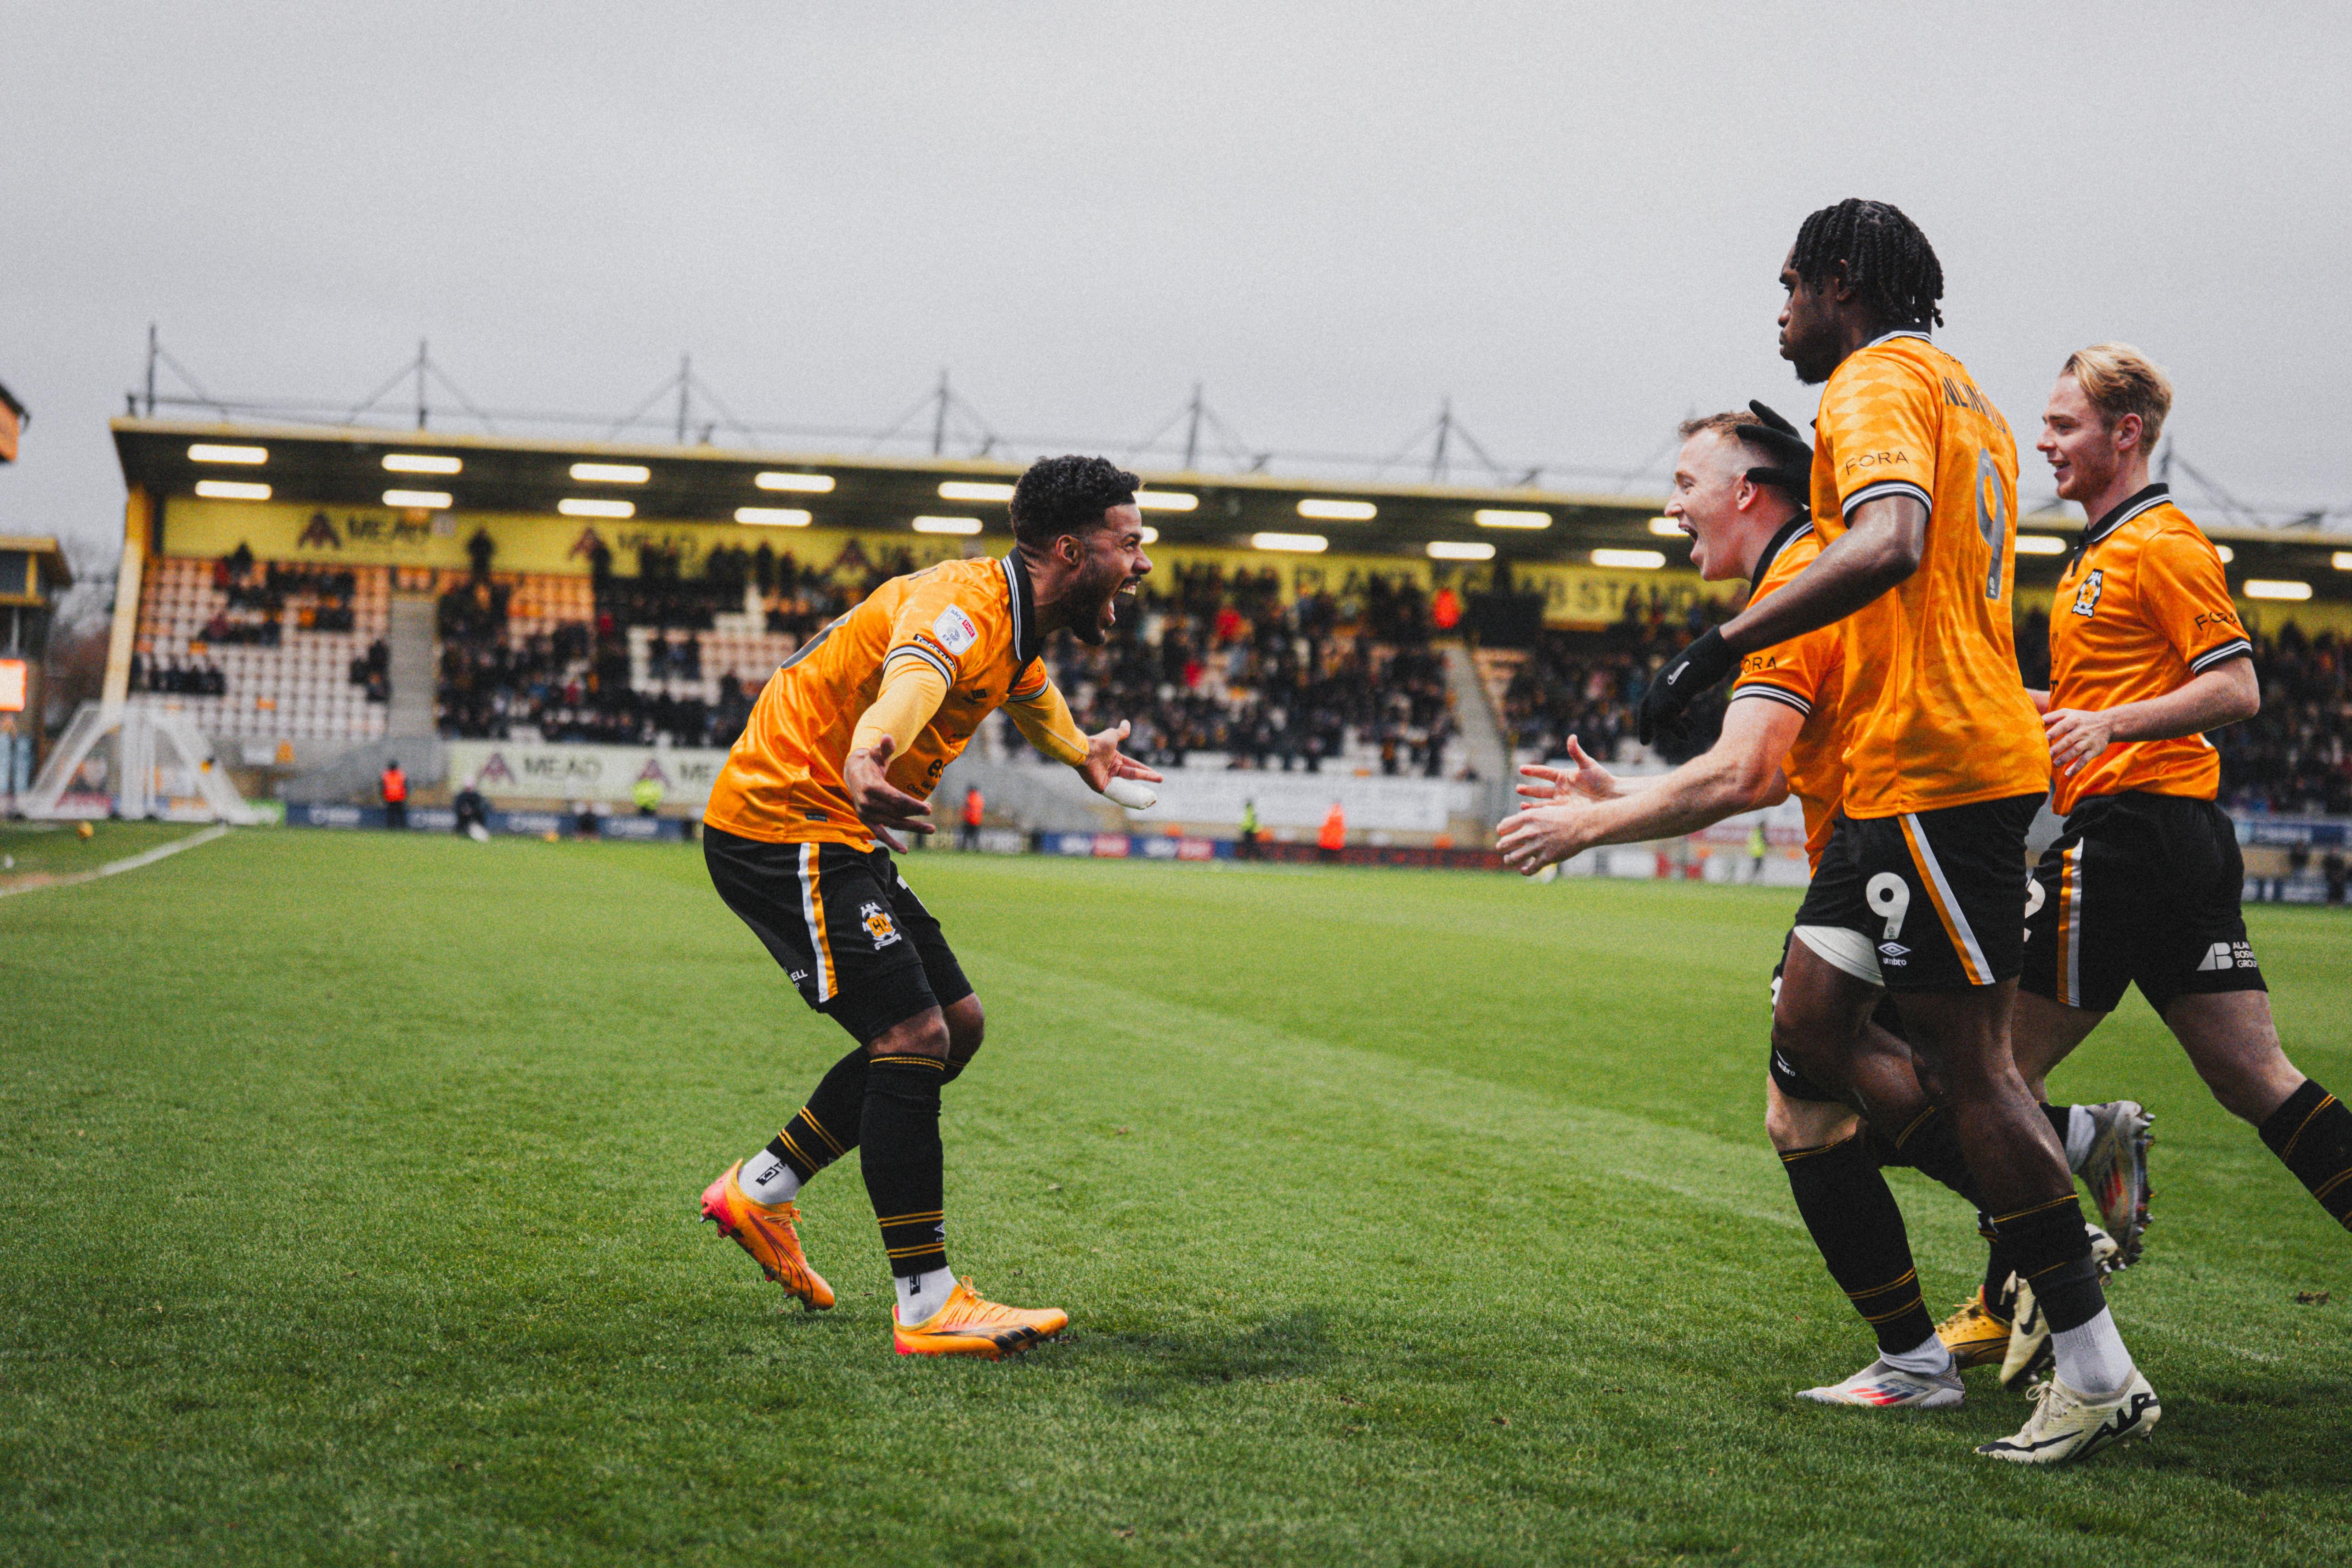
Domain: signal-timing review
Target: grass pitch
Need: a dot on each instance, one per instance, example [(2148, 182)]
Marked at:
[(347, 1196)]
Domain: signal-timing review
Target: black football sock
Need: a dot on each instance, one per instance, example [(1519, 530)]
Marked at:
[(826, 1127), (905, 1167), (2312, 1134), (1855, 1222), (1929, 1146), (1998, 1265), (2052, 1253)]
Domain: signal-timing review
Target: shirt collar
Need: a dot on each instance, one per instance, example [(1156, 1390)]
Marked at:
[(1792, 530), (2125, 510), (1028, 638), (1918, 332)]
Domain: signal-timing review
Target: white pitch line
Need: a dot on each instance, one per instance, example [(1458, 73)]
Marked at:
[(129, 863)]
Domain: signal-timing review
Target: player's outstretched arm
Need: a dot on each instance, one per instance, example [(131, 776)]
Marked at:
[(1740, 773), (2224, 695), (1883, 543)]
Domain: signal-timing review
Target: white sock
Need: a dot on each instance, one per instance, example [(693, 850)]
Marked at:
[(2080, 1131), (765, 1178), (923, 1295), (1928, 1358), (2092, 1360)]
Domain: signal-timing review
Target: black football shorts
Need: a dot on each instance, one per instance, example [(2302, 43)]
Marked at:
[(844, 923), (2139, 889), (1932, 896)]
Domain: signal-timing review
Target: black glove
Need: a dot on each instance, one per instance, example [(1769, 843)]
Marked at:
[(1679, 683), (1791, 467)]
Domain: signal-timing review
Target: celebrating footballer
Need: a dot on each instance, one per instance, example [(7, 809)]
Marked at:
[(841, 755)]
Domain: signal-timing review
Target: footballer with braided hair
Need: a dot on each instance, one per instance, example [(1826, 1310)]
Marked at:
[(1920, 885), (840, 755), (1880, 253)]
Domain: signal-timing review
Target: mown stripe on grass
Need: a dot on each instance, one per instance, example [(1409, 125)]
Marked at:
[(1715, 1173)]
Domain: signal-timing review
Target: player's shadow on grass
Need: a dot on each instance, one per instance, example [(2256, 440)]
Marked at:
[(1157, 1365)]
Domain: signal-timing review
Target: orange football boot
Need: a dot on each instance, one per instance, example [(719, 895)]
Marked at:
[(765, 1231), (1974, 1334), (966, 1324)]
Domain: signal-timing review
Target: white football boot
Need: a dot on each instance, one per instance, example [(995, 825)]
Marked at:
[(2064, 1425), (1890, 1387)]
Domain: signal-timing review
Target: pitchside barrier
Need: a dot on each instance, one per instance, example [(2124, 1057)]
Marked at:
[(529, 824)]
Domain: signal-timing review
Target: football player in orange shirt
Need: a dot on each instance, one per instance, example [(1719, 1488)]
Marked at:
[(1915, 483), (841, 753), (1740, 488), (2143, 885)]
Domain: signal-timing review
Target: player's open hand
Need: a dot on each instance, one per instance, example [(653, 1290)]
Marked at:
[(1546, 835), (1587, 778), (2076, 737), (1103, 762), (882, 805)]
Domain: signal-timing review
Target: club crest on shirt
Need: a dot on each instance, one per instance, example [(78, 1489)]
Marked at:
[(955, 630), (2087, 598), (878, 925)]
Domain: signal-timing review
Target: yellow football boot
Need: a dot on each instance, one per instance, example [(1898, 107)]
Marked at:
[(1973, 1335), (966, 1324), (765, 1231)]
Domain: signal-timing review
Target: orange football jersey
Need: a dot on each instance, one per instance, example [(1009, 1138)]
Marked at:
[(974, 622), (1806, 673), (1936, 714), (2141, 608)]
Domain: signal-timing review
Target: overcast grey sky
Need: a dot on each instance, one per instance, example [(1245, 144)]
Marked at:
[(1567, 217)]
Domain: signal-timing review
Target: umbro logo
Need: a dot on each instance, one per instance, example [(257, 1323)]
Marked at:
[(2228, 955), (1895, 951)]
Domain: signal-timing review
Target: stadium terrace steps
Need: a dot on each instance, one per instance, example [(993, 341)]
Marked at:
[(414, 670), (1476, 708)]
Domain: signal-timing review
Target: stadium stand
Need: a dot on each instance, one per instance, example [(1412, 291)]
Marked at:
[(259, 649), (1218, 670), (1214, 670), (628, 660)]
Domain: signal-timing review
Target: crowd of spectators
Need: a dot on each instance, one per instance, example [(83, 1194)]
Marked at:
[(263, 600), (1220, 665), (1590, 684), (2295, 756), (1204, 662), (575, 683), (178, 677)]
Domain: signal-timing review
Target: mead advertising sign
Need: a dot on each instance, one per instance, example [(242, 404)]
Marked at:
[(542, 771)]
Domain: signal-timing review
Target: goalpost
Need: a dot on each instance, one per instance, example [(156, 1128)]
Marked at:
[(145, 742)]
